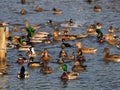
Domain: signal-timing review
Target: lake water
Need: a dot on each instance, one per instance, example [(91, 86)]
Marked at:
[(98, 75)]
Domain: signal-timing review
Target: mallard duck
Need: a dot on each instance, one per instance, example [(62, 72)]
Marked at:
[(86, 50), (63, 53), (45, 56), (111, 29), (23, 12), (46, 70), (77, 67), (65, 44), (68, 75), (35, 64), (60, 61), (32, 26), (31, 52), (55, 11), (21, 59), (38, 9), (23, 74), (97, 8), (58, 37), (112, 57), (23, 1), (109, 36), (70, 57), (91, 30)]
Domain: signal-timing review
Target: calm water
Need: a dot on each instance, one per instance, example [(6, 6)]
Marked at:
[(99, 75)]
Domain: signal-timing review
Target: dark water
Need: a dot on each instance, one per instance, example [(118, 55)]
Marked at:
[(99, 75)]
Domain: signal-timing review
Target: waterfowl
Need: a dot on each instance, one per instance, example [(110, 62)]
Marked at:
[(58, 37), (31, 52), (109, 36), (68, 75), (55, 11), (23, 74), (91, 30), (35, 64), (77, 67), (112, 29), (70, 57), (46, 69), (32, 26), (23, 1), (45, 56), (111, 57), (21, 59), (65, 44), (60, 61), (23, 12), (38, 9), (97, 8), (4, 23), (63, 53), (86, 50)]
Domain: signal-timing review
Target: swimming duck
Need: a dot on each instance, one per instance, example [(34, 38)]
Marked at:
[(91, 30), (45, 56), (4, 23), (55, 11), (31, 53), (111, 29), (109, 36), (70, 57), (60, 61), (45, 69), (97, 8), (58, 37), (38, 9), (35, 64), (23, 1), (63, 53), (32, 26), (112, 57), (77, 67), (23, 74), (21, 59), (23, 12), (86, 50), (68, 75), (65, 44)]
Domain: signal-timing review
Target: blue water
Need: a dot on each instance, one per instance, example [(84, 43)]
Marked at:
[(98, 75)]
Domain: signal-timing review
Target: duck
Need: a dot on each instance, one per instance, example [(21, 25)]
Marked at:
[(110, 36), (55, 11), (111, 57), (23, 12), (23, 1), (60, 61), (31, 52), (70, 57), (45, 56), (32, 26), (21, 59), (97, 8), (63, 53), (35, 64), (46, 70), (91, 30), (77, 67), (38, 9), (65, 44), (66, 75), (85, 50), (57, 37), (23, 74), (112, 29)]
